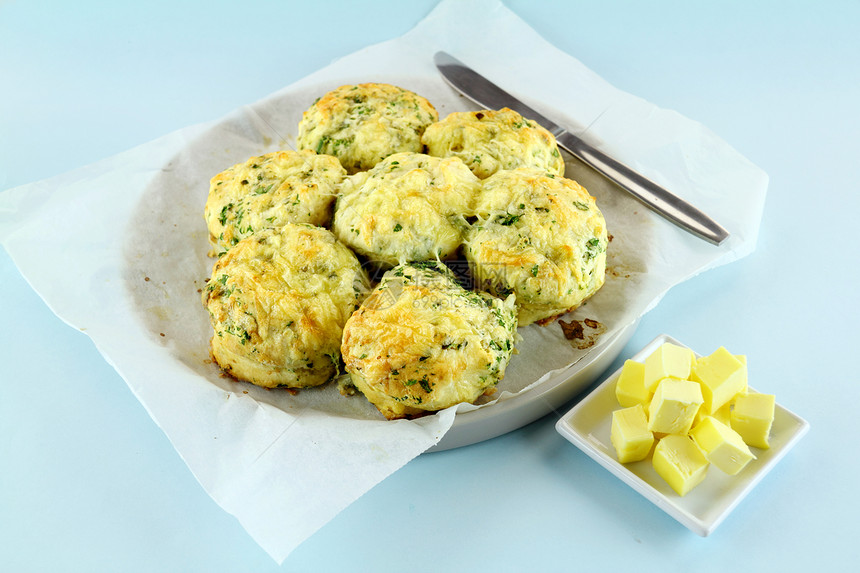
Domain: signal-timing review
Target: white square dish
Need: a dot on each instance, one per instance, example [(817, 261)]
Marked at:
[(587, 426)]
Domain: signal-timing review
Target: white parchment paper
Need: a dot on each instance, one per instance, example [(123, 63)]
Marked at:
[(118, 250)]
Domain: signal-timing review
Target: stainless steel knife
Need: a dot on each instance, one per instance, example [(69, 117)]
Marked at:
[(486, 94)]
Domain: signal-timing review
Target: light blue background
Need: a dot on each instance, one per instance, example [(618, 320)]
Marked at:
[(89, 483)]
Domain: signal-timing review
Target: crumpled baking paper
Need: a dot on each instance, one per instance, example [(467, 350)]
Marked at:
[(118, 250)]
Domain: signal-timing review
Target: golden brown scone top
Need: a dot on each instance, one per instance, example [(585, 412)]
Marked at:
[(268, 191), (541, 237), (421, 342), (362, 124), (409, 207), (278, 301), (489, 141)]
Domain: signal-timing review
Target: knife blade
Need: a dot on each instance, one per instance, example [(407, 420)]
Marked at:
[(488, 95)]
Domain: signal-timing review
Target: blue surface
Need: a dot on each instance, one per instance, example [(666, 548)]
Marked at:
[(89, 483)]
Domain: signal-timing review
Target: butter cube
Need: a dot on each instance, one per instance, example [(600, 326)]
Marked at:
[(668, 361), (678, 461), (630, 434), (743, 360), (674, 406), (721, 376), (724, 415), (630, 388), (752, 417), (721, 445)]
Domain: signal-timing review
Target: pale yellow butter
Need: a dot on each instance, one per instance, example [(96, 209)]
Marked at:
[(752, 418), (743, 360), (674, 405), (668, 361), (721, 445), (724, 414), (630, 435), (698, 411), (678, 461), (630, 387), (721, 376)]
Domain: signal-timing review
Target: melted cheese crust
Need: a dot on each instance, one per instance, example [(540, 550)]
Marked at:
[(362, 124), (489, 141), (269, 191), (410, 207), (421, 343), (278, 301), (541, 237)]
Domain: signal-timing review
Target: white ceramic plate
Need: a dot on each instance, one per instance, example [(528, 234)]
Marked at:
[(587, 426)]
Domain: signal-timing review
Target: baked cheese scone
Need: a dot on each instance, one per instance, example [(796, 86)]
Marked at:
[(409, 207), (489, 141), (268, 191), (421, 343), (362, 124), (541, 237), (278, 301)]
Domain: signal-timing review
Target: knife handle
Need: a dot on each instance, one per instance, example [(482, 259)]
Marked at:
[(670, 206)]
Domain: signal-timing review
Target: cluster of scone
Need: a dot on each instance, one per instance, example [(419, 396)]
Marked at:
[(379, 183)]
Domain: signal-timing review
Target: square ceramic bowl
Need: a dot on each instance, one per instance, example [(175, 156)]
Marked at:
[(587, 426)]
